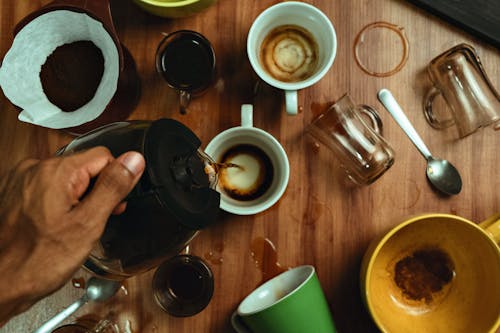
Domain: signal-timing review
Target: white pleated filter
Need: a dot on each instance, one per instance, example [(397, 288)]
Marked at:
[(21, 67)]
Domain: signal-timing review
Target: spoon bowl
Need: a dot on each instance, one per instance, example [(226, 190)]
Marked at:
[(443, 176), (440, 173), (97, 290)]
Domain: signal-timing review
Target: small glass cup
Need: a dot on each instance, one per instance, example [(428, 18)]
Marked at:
[(458, 75), (89, 326), (186, 60), (183, 285), (364, 154)]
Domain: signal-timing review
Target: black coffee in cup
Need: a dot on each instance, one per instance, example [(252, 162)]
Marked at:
[(253, 176), (187, 62), (289, 53)]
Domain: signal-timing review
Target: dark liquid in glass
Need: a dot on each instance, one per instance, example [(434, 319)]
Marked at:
[(185, 282), (187, 63)]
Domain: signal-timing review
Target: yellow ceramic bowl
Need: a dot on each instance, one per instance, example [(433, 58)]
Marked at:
[(435, 273), (174, 8)]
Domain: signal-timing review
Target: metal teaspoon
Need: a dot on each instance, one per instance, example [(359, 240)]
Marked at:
[(97, 290), (441, 173)]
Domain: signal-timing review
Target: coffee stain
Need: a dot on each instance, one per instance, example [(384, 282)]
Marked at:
[(360, 40), (315, 210), (423, 274), (265, 258), (314, 147), (78, 282), (319, 108), (412, 195), (214, 256)]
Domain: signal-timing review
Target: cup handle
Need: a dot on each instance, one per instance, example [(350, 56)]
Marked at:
[(238, 324), (492, 227), (247, 115), (184, 99), (376, 122), (429, 113), (291, 104)]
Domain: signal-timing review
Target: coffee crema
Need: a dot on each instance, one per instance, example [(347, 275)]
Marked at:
[(252, 178), (289, 53)]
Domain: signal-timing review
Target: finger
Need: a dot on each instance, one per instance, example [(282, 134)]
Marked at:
[(120, 208), (92, 161), (113, 184), (84, 166)]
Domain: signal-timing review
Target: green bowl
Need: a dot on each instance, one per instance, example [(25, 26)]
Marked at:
[(174, 8)]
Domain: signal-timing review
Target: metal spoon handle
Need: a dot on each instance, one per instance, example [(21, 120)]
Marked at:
[(390, 103), (53, 322)]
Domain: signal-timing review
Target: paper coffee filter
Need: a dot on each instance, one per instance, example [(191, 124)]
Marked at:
[(21, 67)]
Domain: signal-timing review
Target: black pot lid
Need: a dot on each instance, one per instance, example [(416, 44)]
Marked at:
[(177, 173)]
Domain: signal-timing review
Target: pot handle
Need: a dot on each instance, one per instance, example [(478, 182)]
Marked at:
[(492, 227)]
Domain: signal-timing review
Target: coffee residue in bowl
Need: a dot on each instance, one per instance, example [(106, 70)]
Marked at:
[(424, 273), (71, 74)]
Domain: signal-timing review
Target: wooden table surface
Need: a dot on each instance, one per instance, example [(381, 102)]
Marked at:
[(318, 221)]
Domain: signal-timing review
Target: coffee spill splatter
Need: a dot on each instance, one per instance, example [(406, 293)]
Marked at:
[(78, 283), (424, 273), (214, 256), (265, 257)]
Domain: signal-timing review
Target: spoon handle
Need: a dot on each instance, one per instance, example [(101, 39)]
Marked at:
[(390, 103), (54, 321)]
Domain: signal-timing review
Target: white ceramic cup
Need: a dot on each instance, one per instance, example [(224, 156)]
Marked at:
[(307, 17), (247, 134)]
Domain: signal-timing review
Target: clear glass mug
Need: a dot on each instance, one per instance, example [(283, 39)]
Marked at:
[(364, 154), (458, 75), (186, 61), (89, 326)]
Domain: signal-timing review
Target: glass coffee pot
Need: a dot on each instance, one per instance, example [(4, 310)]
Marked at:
[(174, 198)]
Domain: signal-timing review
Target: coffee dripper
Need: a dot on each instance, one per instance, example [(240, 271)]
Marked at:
[(174, 198), (127, 91)]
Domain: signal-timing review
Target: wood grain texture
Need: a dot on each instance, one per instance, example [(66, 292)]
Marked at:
[(319, 220)]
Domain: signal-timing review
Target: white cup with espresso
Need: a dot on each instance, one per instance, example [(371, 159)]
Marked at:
[(291, 46), (255, 168)]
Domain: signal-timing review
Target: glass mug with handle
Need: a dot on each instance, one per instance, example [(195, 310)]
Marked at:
[(364, 154), (458, 75), (186, 61), (89, 326)]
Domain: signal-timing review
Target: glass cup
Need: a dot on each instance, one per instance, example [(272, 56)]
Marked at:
[(186, 60), (460, 78), (183, 285), (364, 154), (89, 326)]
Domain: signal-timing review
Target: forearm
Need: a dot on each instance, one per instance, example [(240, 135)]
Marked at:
[(16, 292)]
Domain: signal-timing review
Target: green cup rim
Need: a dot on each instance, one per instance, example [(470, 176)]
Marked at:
[(265, 285)]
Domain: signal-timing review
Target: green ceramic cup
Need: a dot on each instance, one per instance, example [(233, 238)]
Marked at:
[(292, 302)]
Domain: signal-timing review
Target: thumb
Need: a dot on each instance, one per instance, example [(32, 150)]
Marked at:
[(113, 184)]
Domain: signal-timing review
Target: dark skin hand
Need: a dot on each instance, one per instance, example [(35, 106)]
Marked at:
[(46, 229)]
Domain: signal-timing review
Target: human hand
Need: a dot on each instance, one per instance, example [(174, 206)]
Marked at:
[(47, 229)]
